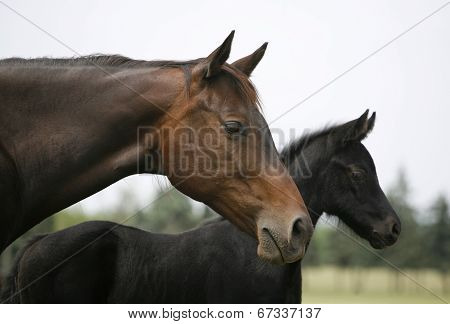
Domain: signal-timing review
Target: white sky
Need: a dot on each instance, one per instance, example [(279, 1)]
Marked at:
[(310, 43)]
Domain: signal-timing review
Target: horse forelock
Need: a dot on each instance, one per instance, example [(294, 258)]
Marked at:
[(244, 85)]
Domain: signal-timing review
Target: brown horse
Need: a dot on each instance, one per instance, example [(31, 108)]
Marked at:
[(71, 127)]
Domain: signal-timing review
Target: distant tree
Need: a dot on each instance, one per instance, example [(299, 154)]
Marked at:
[(171, 212), (316, 253), (437, 239), (68, 217), (408, 250), (341, 247), (207, 213)]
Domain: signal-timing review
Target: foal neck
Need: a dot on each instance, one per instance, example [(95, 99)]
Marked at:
[(306, 162)]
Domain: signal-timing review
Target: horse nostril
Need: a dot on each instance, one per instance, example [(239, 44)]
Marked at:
[(396, 229), (297, 228)]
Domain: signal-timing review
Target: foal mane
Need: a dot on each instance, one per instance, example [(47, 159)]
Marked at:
[(295, 147), (239, 79)]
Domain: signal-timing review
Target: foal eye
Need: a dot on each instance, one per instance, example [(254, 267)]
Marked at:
[(357, 175), (233, 127)]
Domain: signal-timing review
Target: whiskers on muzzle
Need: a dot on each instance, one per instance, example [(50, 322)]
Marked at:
[(290, 247)]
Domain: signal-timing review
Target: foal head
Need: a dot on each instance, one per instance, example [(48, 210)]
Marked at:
[(222, 153), (343, 173), (353, 191)]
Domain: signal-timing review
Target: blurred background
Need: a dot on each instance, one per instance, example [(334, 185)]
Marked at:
[(336, 269), (311, 44)]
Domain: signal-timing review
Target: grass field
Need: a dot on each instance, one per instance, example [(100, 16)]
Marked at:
[(330, 285)]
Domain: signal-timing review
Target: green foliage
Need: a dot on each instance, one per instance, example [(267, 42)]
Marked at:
[(171, 212), (437, 236), (408, 250)]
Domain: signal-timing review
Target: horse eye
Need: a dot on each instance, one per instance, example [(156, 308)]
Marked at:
[(233, 127), (357, 175)]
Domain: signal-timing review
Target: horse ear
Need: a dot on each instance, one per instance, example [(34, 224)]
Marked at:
[(371, 122), (358, 129), (216, 59), (247, 64)]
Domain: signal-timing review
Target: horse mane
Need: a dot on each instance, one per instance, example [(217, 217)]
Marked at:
[(295, 147), (94, 59), (239, 79)]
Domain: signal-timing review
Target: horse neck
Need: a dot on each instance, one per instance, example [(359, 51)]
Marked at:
[(305, 168), (72, 131)]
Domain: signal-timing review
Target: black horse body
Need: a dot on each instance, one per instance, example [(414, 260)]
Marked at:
[(103, 262)]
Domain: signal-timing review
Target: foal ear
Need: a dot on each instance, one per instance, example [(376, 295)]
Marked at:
[(371, 122), (358, 129), (247, 64), (217, 58)]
